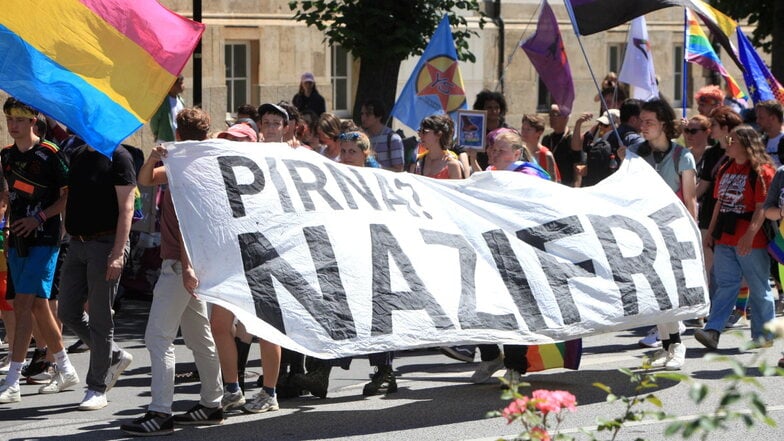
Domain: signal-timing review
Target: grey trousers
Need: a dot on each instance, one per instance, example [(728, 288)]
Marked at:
[(83, 280)]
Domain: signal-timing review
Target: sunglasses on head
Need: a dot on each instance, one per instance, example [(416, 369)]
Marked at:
[(348, 136), (693, 131)]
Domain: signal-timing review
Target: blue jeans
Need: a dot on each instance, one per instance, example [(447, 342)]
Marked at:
[(729, 269)]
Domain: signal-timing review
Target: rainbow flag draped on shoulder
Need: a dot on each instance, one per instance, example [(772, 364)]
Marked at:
[(101, 67)]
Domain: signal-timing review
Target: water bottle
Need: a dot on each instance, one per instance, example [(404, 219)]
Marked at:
[(613, 163)]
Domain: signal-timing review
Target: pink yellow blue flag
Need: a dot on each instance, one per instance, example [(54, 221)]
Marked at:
[(700, 51), (101, 67)]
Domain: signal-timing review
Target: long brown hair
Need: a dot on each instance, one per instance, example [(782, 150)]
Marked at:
[(755, 148)]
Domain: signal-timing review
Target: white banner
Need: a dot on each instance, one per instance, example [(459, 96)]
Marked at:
[(333, 260)]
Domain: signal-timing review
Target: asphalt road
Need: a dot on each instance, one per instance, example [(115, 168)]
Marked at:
[(435, 401)]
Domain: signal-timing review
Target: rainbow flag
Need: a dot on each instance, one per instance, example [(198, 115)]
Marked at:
[(700, 51), (101, 67), (555, 355), (721, 27)]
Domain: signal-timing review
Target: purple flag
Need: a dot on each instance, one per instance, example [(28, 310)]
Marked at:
[(546, 50)]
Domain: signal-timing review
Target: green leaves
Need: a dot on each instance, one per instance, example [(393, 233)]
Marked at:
[(388, 29)]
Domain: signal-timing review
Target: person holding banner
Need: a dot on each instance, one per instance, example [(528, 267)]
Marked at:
[(739, 242), (675, 164), (176, 305), (355, 150), (506, 152)]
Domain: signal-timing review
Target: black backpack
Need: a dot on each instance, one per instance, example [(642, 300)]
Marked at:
[(597, 161), (410, 147)]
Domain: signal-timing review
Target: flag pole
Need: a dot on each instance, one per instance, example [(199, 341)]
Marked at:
[(685, 63), (590, 69), (514, 51)]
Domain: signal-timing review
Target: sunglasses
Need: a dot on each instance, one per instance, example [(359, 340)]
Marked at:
[(693, 131), (422, 131), (348, 136)]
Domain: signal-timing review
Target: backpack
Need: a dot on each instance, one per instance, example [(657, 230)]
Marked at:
[(410, 147), (597, 161)]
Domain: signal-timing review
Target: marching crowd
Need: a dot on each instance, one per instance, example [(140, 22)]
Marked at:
[(67, 211)]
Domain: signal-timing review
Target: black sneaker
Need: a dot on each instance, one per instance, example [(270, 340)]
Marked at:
[(77, 347), (200, 415), (383, 381), (151, 424), (37, 364)]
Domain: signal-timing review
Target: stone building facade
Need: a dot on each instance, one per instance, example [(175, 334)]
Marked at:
[(254, 52)]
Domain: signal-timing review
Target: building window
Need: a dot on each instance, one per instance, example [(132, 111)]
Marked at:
[(237, 75), (677, 77), (615, 54), (544, 99), (341, 81)]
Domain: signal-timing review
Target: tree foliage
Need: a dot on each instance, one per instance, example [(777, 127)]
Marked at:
[(765, 18), (758, 14), (383, 33), (387, 29)]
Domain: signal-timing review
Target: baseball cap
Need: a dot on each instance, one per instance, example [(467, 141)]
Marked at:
[(240, 131), (307, 76), (615, 114), (273, 108)]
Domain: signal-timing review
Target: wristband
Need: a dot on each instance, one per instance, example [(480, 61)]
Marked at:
[(41, 216)]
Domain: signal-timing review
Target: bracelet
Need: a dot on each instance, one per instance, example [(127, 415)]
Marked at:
[(41, 216)]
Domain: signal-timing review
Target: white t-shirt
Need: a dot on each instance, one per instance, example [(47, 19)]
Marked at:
[(772, 148)]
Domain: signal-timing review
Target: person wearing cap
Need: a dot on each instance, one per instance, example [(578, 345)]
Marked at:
[(274, 120), (239, 132), (599, 153), (308, 97), (164, 122)]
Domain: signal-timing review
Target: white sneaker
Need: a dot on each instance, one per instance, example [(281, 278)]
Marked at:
[(651, 340), (59, 383), (484, 372), (659, 358), (262, 402), (677, 357), (117, 368), (232, 400), (10, 394), (93, 401)]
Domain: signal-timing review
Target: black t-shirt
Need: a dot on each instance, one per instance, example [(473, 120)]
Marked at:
[(92, 199), (712, 160), (35, 179), (314, 103)]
